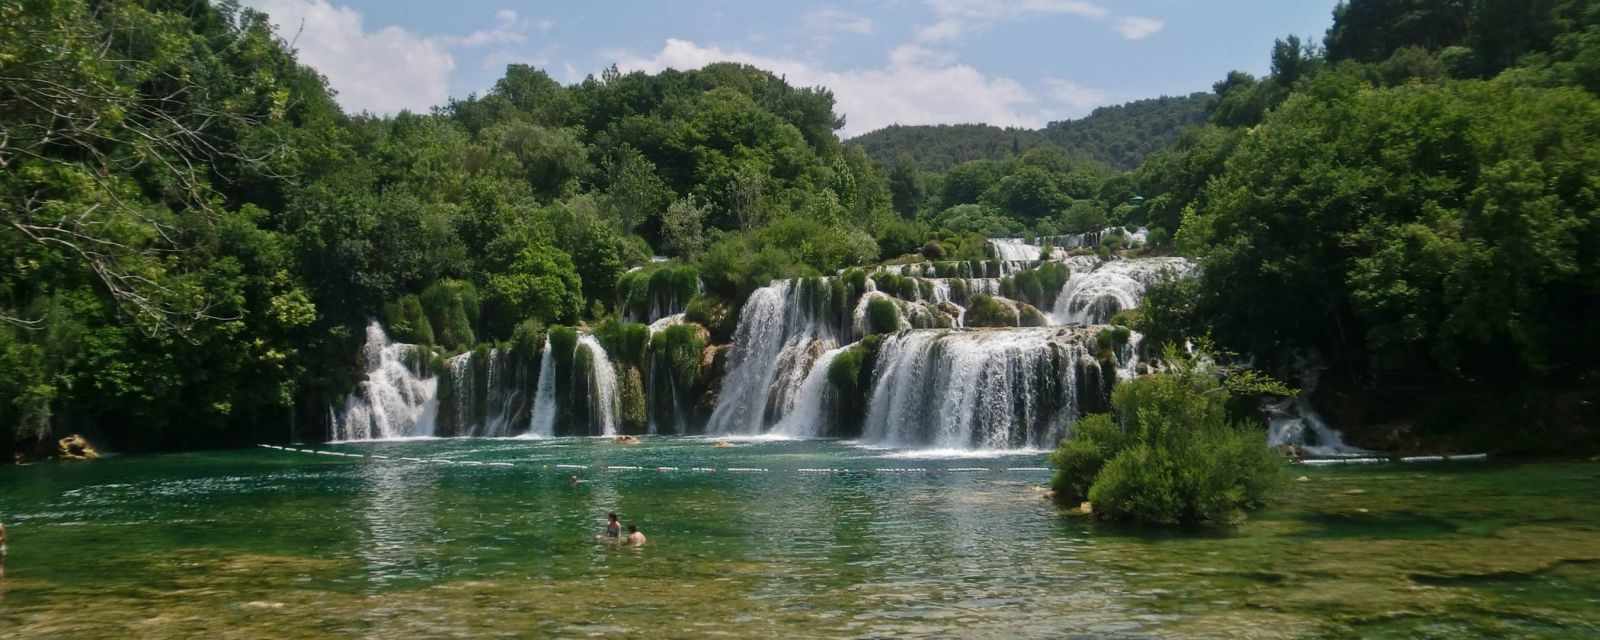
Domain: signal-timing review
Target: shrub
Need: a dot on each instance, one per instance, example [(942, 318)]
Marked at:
[(626, 343), (452, 309), (713, 313), (681, 346), (1168, 454), (933, 250), (883, 316), (986, 311), (1030, 316), (407, 322)]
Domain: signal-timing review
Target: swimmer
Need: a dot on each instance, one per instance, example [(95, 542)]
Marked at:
[(613, 526), (574, 481), (723, 444), (626, 440), (635, 537)]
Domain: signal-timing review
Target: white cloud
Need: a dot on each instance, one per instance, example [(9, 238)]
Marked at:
[(917, 86), (509, 28), (1137, 28), (955, 17), (832, 20), (1081, 99), (382, 71)]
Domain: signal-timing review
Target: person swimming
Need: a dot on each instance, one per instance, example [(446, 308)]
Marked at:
[(613, 526), (635, 537)]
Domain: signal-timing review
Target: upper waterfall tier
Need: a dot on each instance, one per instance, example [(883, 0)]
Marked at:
[(1093, 297)]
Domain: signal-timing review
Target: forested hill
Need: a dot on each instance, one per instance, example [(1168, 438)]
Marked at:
[(1119, 136)]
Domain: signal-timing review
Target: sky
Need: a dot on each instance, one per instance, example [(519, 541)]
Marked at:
[(1002, 62)]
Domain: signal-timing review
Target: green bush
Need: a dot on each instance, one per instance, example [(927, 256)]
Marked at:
[(681, 346), (1168, 454), (883, 316), (715, 314), (407, 322), (985, 311), (626, 343), (452, 309), (1030, 316), (1094, 440)]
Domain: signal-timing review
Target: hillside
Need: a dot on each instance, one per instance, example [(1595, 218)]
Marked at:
[(1120, 136)]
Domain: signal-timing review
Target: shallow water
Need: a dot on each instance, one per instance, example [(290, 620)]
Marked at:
[(266, 543)]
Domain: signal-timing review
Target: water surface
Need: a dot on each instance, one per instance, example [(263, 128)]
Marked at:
[(266, 543)]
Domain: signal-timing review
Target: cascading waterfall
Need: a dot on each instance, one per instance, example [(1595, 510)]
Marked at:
[(1094, 296), (396, 399), (782, 329), (1295, 423), (542, 421), (810, 414), (604, 405), (977, 389)]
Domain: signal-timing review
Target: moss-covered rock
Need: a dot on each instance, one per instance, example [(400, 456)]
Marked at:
[(989, 311)]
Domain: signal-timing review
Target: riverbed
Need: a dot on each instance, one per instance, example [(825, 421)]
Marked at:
[(793, 539)]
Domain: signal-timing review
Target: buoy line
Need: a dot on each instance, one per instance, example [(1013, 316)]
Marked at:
[(651, 468)]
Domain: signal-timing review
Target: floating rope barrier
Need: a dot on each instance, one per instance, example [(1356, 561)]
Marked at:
[(667, 469)]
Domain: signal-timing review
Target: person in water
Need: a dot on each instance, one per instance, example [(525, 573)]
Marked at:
[(613, 526), (635, 537)]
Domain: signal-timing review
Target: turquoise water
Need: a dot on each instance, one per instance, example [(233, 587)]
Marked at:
[(266, 543)]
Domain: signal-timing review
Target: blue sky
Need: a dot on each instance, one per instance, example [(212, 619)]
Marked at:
[(1004, 62)]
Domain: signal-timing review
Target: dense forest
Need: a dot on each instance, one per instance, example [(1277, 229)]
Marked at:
[(195, 233), (1117, 136)]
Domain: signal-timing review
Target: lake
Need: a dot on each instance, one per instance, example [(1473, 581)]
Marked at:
[(793, 539)]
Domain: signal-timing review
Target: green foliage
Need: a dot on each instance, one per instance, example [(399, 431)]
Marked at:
[(1169, 455), (883, 316), (715, 314), (986, 311), (407, 322), (1118, 136), (1438, 227), (451, 307), (626, 343), (682, 346), (791, 247)]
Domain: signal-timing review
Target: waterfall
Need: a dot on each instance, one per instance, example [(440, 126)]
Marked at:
[(604, 405), (542, 421), (395, 400), (783, 327), (1294, 422), (810, 415), (1094, 296), (976, 389)]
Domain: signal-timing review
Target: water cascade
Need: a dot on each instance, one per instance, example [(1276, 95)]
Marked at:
[(1293, 422), (484, 393), (1094, 296), (396, 399), (603, 404), (542, 421), (995, 389), (782, 329)]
